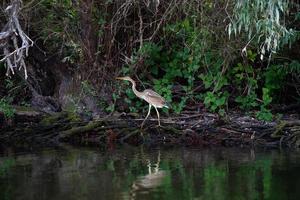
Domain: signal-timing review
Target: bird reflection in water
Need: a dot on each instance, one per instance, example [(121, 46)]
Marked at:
[(146, 183)]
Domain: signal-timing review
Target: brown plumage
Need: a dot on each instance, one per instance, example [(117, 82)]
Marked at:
[(150, 96)]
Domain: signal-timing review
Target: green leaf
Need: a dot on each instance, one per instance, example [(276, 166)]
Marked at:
[(154, 70)]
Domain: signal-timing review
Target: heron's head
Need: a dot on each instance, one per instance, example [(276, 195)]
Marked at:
[(125, 78)]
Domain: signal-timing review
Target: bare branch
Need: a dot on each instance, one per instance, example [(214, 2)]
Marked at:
[(13, 41)]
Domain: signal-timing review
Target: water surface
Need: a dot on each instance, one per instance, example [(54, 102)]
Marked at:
[(142, 173)]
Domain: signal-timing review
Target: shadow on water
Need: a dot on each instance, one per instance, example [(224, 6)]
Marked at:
[(142, 173)]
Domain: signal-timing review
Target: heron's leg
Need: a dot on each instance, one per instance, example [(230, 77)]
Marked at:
[(147, 115), (156, 169), (149, 167), (157, 115)]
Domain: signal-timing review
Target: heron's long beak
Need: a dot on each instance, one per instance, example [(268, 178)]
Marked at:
[(119, 78)]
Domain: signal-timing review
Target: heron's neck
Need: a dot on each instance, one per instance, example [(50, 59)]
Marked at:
[(137, 93)]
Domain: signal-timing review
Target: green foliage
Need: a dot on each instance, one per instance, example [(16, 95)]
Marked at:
[(178, 107), (6, 165), (88, 89), (250, 79), (246, 82), (247, 102), (262, 21), (214, 80), (13, 91), (59, 25), (275, 77), (294, 66), (171, 62), (185, 59), (6, 108), (188, 60), (264, 113), (215, 101), (164, 88), (111, 107)]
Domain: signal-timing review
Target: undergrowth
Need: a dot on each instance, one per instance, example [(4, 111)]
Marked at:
[(187, 72)]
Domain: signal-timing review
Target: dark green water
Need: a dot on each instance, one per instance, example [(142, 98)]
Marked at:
[(140, 173)]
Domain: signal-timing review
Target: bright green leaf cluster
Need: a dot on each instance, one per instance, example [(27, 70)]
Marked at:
[(6, 108)]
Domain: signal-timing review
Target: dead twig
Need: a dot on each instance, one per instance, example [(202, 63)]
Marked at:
[(10, 37)]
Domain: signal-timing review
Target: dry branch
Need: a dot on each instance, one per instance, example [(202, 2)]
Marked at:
[(13, 41)]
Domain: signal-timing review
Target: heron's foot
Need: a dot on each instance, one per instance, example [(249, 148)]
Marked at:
[(142, 135), (143, 123), (142, 127), (159, 126)]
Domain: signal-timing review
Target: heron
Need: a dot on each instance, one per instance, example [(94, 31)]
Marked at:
[(149, 96)]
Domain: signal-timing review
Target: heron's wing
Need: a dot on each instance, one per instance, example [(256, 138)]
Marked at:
[(152, 94), (154, 98)]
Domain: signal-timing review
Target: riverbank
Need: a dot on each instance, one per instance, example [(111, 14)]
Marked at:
[(188, 129)]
